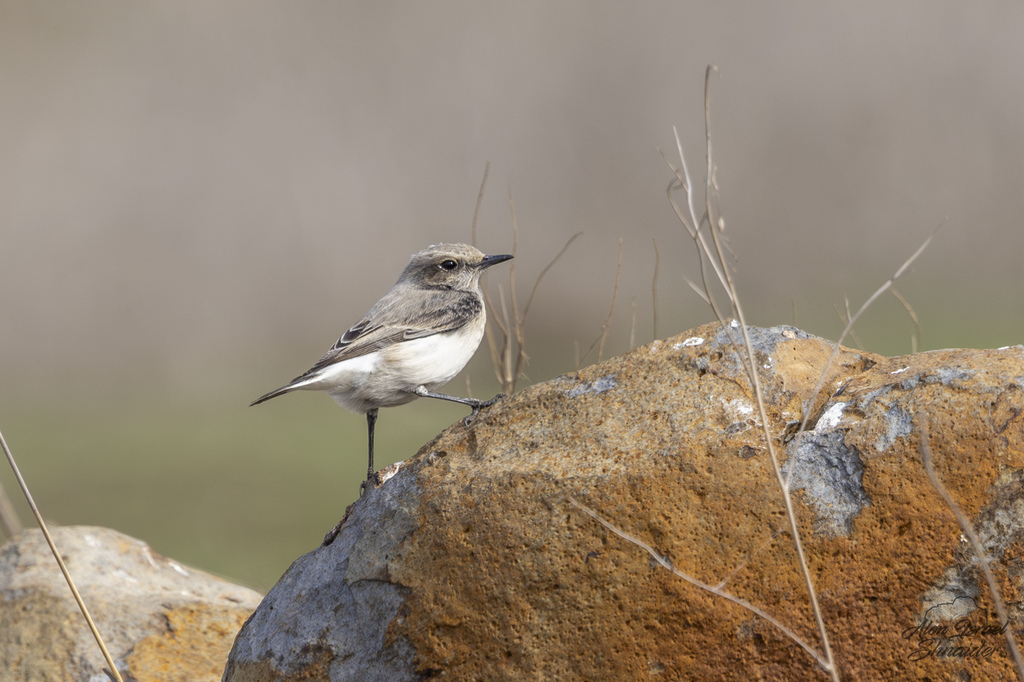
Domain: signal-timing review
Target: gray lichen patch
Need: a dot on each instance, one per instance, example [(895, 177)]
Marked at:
[(762, 339), (948, 375), (831, 474), (605, 383), (1000, 524), (899, 424)]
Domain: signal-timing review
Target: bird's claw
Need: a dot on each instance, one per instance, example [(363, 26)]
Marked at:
[(481, 405), (372, 478)]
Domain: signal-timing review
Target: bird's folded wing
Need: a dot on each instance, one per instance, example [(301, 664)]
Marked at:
[(370, 335)]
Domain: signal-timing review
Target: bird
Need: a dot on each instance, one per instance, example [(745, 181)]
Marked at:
[(412, 341)]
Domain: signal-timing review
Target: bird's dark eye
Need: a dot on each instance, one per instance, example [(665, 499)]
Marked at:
[(449, 264)]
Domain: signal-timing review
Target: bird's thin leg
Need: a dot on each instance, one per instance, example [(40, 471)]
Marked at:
[(371, 421), (477, 405)]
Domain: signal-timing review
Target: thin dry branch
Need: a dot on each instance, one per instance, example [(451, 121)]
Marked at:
[(508, 355), (514, 304), (849, 325), (501, 357), (697, 290), (112, 672), (654, 286), (600, 340), (715, 255), (915, 338), (716, 590), (632, 324), (479, 201), (543, 272), (979, 550), (846, 318)]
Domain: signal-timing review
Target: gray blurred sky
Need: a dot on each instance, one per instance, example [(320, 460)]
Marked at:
[(218, 189)]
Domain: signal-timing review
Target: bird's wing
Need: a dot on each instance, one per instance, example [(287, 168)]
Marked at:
[(422, 314)]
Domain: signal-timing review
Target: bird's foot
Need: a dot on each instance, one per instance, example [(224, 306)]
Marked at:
[(479, 405), (372, 478)]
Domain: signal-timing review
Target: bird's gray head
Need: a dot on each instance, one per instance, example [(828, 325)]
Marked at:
[(448, 266)]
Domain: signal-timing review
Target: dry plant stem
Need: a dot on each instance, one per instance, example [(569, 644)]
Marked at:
[(508, 372), (979, 551), (915, 338), (849, 325), (844, 319), (794, 529), (853, 333), (9, 515), (713, 589), (543, 272), (502, 325), (611, 308), (519, 318), (509, 360), (60, 562), (599, 341), (479, 201), (697, 290), (511, 330), (632, 324), (500, 357), (517, 327), (716, 257), (692, 226), (654, 286)]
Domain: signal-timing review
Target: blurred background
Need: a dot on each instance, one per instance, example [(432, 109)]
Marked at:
[(197, 198)]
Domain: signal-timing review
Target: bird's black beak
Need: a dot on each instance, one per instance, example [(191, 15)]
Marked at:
[(488, 261)]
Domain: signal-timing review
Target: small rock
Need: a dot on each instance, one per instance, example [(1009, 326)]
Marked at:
[(160, 620)]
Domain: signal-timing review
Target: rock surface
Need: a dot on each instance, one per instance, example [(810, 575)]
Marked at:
[(160, 620), (471, 562)]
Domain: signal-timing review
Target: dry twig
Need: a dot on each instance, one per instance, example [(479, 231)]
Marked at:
[(112, 672), (508, 344), (599, 341), (915, 338), (979, 550), (717, 590), (849, 325), (713, 255), (654, 286)]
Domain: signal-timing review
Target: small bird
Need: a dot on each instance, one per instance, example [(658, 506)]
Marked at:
[(414, 340)]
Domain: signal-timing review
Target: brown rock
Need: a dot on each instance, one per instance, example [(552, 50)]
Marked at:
[(471, 563), (159, 619)]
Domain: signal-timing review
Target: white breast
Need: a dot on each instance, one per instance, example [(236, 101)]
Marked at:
[(434, 360)]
